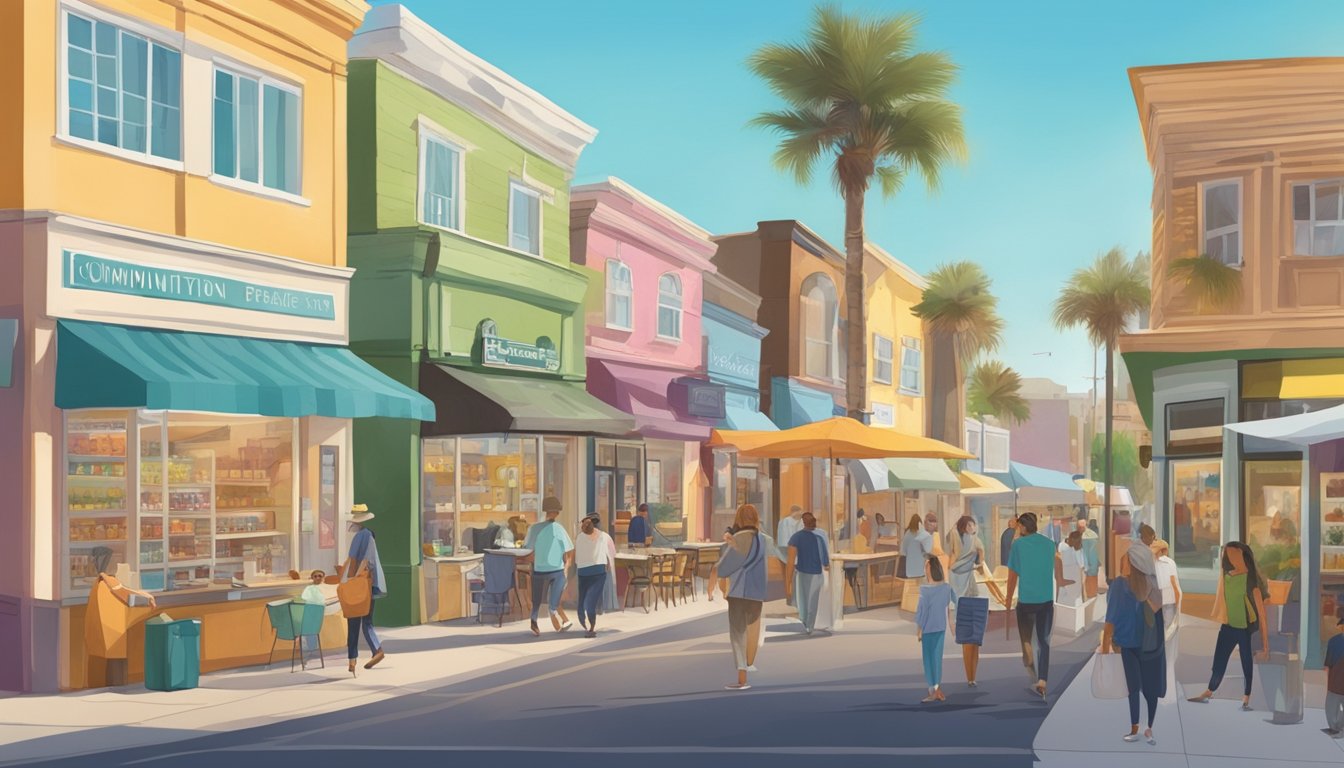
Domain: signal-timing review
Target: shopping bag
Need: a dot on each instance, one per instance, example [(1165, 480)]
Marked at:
[(356, 595), (1108, 677)]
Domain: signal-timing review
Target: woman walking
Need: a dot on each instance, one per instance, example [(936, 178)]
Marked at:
[(742, 563), (363, 562), (1238, 606), (1134, 625), (594, 555), (935, 597), (967, 555)]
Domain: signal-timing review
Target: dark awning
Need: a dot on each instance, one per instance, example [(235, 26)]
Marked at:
[(470, 403)]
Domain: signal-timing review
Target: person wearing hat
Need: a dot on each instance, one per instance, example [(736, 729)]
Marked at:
[(1134, 625), (552, 551), (594, 556), (363, 554)]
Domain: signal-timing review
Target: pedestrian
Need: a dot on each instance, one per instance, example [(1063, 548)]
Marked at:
[(1238, 608), (916, 545), (1334, 683), (967, 555), (808, 559), (594, 557), (1006, 540), (786, 529), (1071, 556), (552, 551), (637, 535), (935, 597), (1147, 535), (1170, 584), (1034, 562), (1091, 556), (363, 558), (1134, 625), (742, 562)]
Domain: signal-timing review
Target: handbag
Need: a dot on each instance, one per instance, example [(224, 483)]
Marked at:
[(1108, 677), (356, 595)]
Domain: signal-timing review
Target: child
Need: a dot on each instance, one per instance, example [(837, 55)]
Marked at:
[(1334, 684), (935, 597)]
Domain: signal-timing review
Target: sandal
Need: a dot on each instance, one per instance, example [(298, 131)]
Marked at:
[(1038, 690), (1203, 698)]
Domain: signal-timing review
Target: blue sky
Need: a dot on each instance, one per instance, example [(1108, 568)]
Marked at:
[(1056, 173)]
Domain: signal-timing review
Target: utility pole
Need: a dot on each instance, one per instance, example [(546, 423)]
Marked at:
[(1092, 420)]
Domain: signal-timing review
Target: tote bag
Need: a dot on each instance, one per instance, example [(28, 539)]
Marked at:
[(1108, 676), (356, 595)]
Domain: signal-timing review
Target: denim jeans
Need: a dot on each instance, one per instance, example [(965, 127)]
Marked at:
[(1036, 619), (1228, 638), (591, 587), (353, 628), (807, 590), (555, 581)]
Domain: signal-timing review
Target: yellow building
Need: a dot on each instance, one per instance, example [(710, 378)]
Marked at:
[(175, 391)]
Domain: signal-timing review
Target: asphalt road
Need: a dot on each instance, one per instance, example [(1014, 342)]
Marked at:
[(657, 700)]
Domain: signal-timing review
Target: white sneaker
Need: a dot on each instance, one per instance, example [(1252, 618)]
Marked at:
[(752, 668)]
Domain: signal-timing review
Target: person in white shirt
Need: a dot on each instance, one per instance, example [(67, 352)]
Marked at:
[(595, 557), (1170, 584), (1075, 563), (916, 546)]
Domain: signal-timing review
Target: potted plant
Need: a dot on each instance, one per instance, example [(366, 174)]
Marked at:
[(1281, 565)]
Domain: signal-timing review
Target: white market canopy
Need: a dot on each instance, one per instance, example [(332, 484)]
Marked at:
[(1302, 429)]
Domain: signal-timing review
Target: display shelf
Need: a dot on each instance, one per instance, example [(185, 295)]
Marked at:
[(184, 486), (244, 483), (248, 511), (248, 535), (81, 543), (195, 561), (117, 479), (91, 458), (87, 513)]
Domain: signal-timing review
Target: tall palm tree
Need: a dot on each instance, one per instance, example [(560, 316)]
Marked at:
[(859, 94), (962, 316), (994, 389), (1104, 298)]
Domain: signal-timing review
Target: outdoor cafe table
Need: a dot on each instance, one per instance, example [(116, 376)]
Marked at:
[(652, 557), (867, 561)]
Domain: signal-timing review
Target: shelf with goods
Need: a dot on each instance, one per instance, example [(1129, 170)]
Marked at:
[(254, 508), (95, 486), (176, 513)]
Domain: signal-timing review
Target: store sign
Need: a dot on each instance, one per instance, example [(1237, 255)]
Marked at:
[(82, 271), (697, 398), (506, 353), (729, 362)]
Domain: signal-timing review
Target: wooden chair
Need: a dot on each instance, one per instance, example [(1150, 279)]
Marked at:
[(665, 576), (687, 572), (639, 579), (705, 563)]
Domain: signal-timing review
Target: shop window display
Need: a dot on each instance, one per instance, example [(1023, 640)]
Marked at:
[(1196, 493), (664, 463)]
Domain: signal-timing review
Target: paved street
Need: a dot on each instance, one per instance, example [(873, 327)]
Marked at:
[(659, 696)]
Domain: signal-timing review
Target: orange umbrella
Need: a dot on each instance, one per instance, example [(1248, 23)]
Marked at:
[(836, 438)]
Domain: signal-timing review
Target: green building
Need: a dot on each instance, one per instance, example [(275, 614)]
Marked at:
[(459, 234)]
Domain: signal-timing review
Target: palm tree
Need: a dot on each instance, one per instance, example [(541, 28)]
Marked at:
[(1104, 298), (995, 390), (859, 94), (962, 316), (1214, 284)]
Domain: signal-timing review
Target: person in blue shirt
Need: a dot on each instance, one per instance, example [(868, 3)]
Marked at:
[(742, 561), (1033, 561), (809, 559), (363, 557), (638, 533), (552, 550), (1134, 624), (935, 598)]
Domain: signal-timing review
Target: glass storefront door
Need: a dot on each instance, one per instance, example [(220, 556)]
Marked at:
[(618, 485)]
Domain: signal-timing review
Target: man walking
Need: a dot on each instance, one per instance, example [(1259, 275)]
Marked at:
[(1006, 540), (1034, 561), (551, 552), (785, 530), (638, 532), (1091, 558), (808, 556)]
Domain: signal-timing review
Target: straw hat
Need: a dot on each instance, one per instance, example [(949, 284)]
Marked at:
[(360, 514)]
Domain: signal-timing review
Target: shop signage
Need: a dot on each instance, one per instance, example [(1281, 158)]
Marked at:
[(697, 398), (506, 353), (728, 362), (98, 273)]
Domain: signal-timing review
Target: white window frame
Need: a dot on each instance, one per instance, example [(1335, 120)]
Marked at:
[(460, 179), (531, 191), (1311, 222), (830, 316), (912, 344), (1205, 234), (608, 293), (881, 408), (154, 36), (877, 358), (680, 308), (263, 79)]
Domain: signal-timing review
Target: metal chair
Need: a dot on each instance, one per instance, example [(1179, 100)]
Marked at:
[(705, 563), (294, 621), (499, 582), (687, 572)]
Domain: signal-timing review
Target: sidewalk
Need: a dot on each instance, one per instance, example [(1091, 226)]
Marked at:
[(419, 658), (1189, 735)]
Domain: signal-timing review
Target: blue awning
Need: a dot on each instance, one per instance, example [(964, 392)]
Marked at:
[(1038, 485), (115, 366), (794, 404), (742, 413)]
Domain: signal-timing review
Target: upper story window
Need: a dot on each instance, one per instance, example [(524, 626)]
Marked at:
[(441, 183), (1318, 218), (669, 307), (620, 296), (1222, 221), (524, 219), (256, 131), (912, 366), (884, 415), (882, 359), (821, 327), (122, 90)]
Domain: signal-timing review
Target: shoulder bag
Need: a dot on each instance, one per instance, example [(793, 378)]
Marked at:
[(356, 594)]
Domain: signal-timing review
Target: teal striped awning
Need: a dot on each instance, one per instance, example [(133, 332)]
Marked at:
[(115, 366)]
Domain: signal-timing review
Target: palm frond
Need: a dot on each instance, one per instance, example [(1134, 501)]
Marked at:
[(806, 135), (1103, 297), (994, 389), (957, 302), (1215, 284)]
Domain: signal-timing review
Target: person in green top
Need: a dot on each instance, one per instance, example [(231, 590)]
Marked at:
[(1239, 605), (1033, 562)]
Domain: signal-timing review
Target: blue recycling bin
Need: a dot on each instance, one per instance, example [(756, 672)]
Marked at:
[(172, 655)]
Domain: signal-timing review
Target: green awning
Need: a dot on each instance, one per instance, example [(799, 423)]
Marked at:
[(472, 403), (921, 475), (115, 366)]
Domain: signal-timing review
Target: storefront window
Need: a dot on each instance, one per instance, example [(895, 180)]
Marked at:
[(499, 483), (439, 480), (723, 483), (663, 465), (1273, 518), (1196, 486), (1329, 461), (95, 494), (617, 486)]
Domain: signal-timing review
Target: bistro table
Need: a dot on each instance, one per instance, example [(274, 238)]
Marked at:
[(866, 561), (649, 559)]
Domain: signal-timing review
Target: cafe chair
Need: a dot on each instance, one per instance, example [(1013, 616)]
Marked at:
[(667, 577), (293, 621), (688, 571), (705, 563), (499, 582), (640, 579)]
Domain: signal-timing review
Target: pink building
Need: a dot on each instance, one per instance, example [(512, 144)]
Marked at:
[(645, 353)]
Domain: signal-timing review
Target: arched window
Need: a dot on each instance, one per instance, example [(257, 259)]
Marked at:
[(821, 327), (620, 296), (669, 307)]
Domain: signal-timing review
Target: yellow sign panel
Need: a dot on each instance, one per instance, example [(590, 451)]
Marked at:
[(1293, 379)]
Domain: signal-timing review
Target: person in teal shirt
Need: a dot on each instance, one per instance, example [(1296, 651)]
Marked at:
[(552, 549), (1033, 562)]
